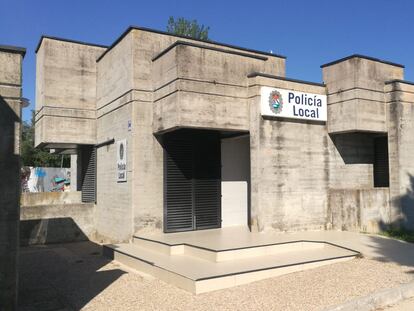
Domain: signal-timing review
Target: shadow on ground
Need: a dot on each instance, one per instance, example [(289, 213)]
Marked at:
[(62, 276), (392, 250)]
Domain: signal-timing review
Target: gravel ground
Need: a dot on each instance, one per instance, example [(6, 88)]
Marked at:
[(76, 277)]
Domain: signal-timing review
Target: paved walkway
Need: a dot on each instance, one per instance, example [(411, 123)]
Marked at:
[(76, 277), (371, 246)]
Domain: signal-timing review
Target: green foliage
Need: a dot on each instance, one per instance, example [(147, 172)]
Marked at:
[(38, 157), (400, 234), (188, 28)]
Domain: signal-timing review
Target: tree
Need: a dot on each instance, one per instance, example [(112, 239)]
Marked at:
[(38, 157), (188, 28)]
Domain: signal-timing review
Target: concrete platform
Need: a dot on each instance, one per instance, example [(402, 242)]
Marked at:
[(203, 261)]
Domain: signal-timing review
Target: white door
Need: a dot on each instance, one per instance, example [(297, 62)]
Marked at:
[(235, 178)]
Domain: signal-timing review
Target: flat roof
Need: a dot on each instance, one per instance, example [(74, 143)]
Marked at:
[(362, 56), (67, 40), (13, 49), (186, 37)]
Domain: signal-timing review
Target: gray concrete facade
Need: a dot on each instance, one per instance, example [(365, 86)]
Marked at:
[(304, 175), (10, 112)]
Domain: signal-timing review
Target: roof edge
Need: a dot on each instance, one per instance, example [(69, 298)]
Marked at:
[(202, 46), (399, 81), (260, 74), (67, 40), (13, 49), (362, 56), (184, 37)]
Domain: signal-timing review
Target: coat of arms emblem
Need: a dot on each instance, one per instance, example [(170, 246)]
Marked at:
[(275, 102)]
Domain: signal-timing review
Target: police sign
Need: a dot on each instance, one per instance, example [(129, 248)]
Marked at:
[(293, 104), (121, 160)]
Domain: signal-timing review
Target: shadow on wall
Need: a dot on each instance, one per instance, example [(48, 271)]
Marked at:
[(9, 205), (406, 204), (63, 276), (50, 230), (355, 148)]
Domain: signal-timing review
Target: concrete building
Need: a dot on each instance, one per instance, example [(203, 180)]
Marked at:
[(175, 134), (11, 59)]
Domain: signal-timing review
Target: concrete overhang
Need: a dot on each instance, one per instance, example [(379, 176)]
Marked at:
[(224, 133), (63, 151), (361, 56), (13, 49), (260, 74), (66, 40), (209, 42), (60, 146), (399, 81), (207, 47)]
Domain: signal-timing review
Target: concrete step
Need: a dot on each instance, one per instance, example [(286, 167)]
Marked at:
[(159, 246), (219, 255), (198, 275)]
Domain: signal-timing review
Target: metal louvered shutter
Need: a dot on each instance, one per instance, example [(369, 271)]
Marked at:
[(192, 181), (207, 183), (178, 192), (88, 154), (381, 164)]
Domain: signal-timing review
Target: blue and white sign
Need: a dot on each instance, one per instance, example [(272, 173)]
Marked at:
[(293, 104)]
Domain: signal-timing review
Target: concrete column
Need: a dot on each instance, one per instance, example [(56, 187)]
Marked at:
[(73, 172), (10, 112), (400, 102)]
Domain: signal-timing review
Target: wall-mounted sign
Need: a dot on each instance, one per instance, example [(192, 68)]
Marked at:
[(292, 104), (121, 160)]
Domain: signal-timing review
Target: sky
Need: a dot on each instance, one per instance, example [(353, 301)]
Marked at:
[(309, 33)]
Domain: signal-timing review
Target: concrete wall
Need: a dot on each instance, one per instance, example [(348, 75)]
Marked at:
[(57, 223), (289, 165), (10, 111), (355, 88), (151, 44), (351, 158), (400, 114), (119, 103), (66, 92), (364, 210), (56, 217), (50, 198), (197, 87), (357, 113), (122, 100), (74, 186), (114, 199)]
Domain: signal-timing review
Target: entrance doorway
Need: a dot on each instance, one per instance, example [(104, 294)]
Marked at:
[(235, 180), (206, 179), (192, 177)]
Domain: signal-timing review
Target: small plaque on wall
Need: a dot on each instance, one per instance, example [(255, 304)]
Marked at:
[(121, 160)]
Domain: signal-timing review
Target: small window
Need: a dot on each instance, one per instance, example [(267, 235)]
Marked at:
[(381, 165)]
